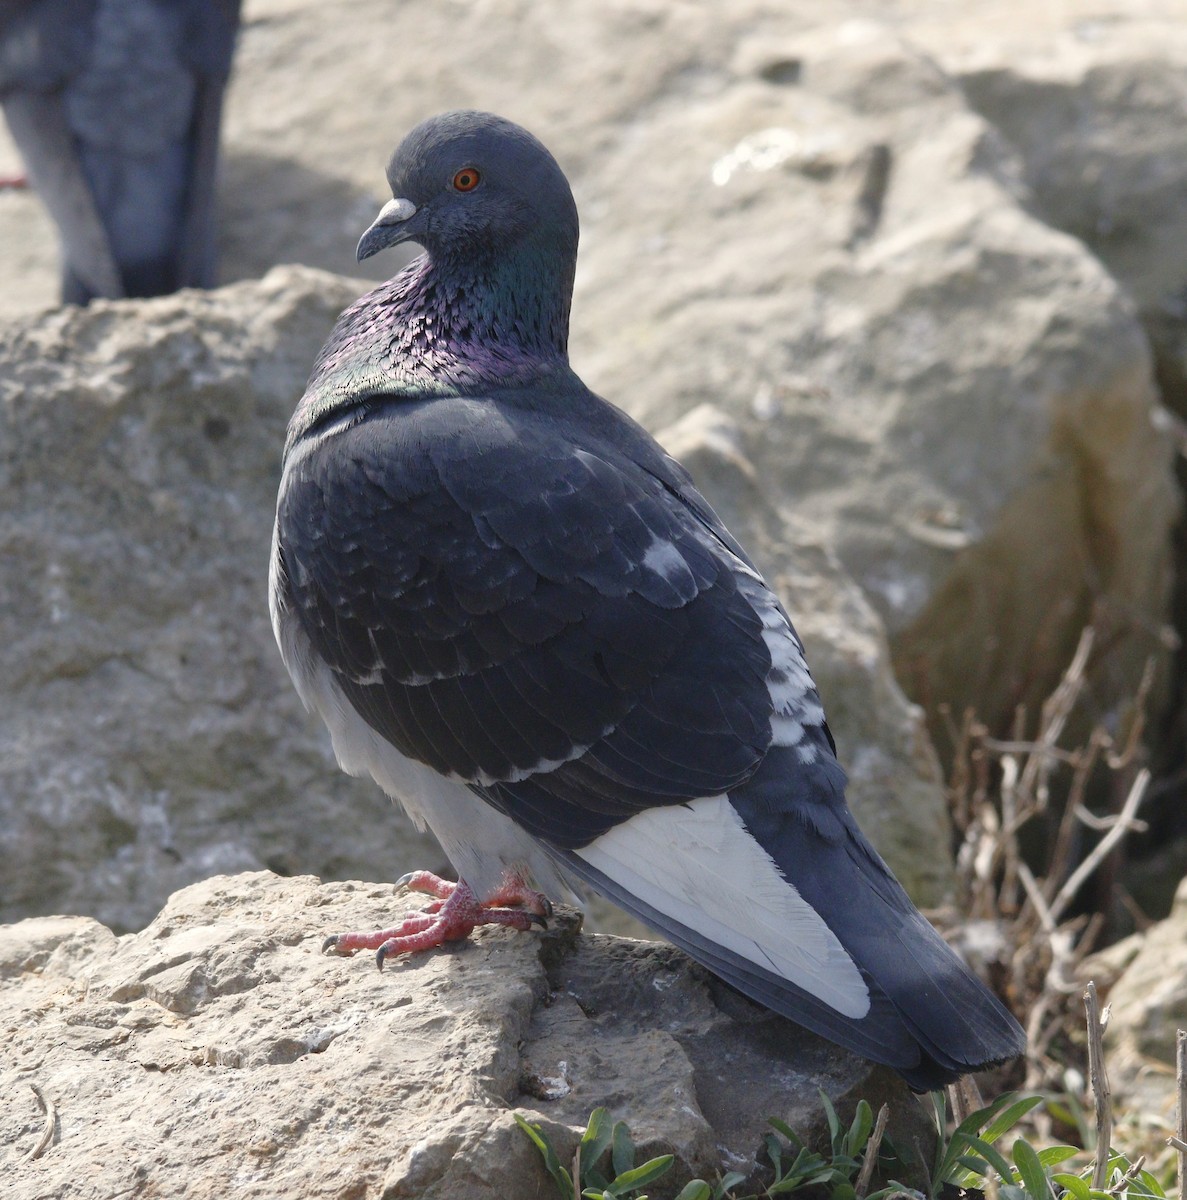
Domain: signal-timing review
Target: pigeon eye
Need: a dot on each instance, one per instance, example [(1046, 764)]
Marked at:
[(466, 180)]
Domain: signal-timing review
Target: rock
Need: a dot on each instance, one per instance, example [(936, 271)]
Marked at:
[(218, 1047), (149, 735), (1095, 109), (1149, 1003)]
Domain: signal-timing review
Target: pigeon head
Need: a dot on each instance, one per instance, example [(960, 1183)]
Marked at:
[(472, 186), (497, 221)]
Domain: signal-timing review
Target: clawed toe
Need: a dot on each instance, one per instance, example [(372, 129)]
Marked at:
[(449, 917)]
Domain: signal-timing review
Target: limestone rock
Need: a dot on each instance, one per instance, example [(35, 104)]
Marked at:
[(149, 735), (1096, 108), (1149, 1003), (219, 1049)]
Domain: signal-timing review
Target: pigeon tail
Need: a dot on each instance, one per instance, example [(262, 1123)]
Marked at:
[(872, 974), (932, 997)]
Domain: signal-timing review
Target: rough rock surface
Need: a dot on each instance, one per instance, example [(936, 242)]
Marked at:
[(151, 736), (1096, 108), (1149, 1003), (218, 1052)]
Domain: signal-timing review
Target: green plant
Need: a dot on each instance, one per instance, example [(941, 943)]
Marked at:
[(968, 1153), (592, 1182), (834, 1175), (969, 1159)]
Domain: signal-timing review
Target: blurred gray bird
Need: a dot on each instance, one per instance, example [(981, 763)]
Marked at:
[(115, 106)]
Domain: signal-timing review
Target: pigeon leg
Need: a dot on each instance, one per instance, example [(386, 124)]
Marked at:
[(513, 892), (449, 919)]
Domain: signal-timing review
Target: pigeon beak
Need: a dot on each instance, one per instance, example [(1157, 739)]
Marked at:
[(389, 228)]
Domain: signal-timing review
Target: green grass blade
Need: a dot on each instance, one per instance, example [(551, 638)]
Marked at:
[(1030, 1170), (1009, 1118), (695, 1189), (797, 1143), (622, 1149), (638, 1177), (1076, 1188), (834, 1122), (552, 1164), (596, 1138), (1052, 1156), (859, 1132), (989, 1154)]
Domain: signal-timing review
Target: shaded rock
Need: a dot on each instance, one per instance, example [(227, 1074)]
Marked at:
[(1096, 110), (1149, 1003), (219, 1047)]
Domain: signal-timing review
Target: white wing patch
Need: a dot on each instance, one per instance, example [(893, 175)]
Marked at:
[(663, 558), (795, 702), (699, 865)]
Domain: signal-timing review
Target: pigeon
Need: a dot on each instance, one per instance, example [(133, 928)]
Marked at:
[(115, 106), (517, 614)]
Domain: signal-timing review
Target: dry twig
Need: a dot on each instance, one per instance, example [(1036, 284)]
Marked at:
[(1179, 1141), (870, 1158), (1101, 1097), (1104, 847), (997, 787), (1135, 1169)]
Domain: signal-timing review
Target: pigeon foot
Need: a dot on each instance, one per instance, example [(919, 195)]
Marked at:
[(513, 892), (452, 916)]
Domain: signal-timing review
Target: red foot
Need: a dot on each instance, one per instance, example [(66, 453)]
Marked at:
[(13, 182), (450, 917)]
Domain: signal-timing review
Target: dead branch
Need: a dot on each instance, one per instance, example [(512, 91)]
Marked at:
[(1101, 1097), (1179, 1141), (1104, 847), (870, 1158)]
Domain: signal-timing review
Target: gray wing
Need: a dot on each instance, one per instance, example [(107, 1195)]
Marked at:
[(542, 619)]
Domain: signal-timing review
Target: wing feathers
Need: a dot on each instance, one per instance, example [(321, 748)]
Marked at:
[(574, 635)]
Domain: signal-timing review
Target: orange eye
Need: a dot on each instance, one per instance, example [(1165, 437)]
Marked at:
[(466, 180)]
